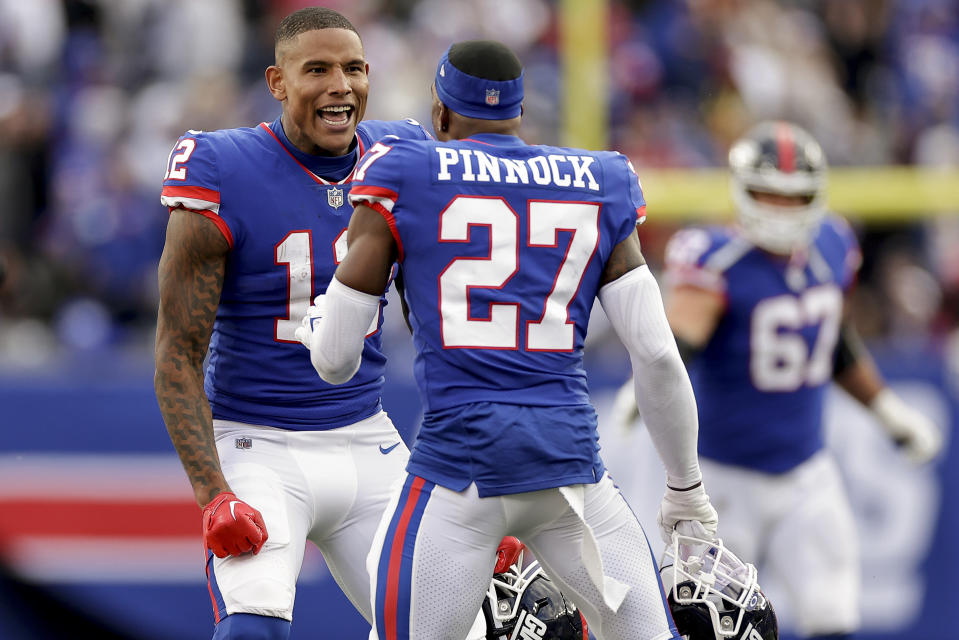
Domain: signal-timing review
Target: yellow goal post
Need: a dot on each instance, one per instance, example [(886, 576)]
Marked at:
[(879, 194)]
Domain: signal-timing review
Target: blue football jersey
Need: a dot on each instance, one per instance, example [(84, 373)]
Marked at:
[(286, 227), (501, 245), (761, 380)]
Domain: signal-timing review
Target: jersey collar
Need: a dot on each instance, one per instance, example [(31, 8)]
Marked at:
[(339, 169), (496, 140)]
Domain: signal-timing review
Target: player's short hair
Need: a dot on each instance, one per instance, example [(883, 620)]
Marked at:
[(486, 59), (311, 19)]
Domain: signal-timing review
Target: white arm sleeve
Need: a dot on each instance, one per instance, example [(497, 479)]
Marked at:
[(664, 394), (337, 343)]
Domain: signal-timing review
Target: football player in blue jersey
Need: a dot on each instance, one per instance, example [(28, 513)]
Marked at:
[(257, 226), (758, 311), (504, 247)]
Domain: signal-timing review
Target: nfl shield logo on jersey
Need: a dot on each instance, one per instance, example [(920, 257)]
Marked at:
[(492, 97), (334, 197), (244, 443)]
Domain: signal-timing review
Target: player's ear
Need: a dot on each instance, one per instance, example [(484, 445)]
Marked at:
[(444, 117), (275, 82)]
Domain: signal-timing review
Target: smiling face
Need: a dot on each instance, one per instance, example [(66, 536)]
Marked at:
[(321, 77)]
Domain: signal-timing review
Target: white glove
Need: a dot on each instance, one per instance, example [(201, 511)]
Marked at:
[(682, 506), (304, 333), (624, 412), (912, 431)]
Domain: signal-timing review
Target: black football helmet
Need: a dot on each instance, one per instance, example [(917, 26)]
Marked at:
[(713, 595), (778, 158), (522, 602)]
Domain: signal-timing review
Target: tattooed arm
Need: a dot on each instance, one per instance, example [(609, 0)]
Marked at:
[(191, 279)]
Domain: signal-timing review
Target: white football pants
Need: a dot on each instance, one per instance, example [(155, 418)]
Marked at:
[(328, 487), (799, 526), (433, 556)]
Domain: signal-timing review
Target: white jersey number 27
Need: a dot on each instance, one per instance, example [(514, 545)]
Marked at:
[(553, 331)]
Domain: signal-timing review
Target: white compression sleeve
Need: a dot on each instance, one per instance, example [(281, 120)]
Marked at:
[(664, 395), (338, 339)]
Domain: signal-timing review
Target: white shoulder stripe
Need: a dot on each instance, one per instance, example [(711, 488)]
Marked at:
[(386, 203), (819, 266), (196, 204), (728, 255)]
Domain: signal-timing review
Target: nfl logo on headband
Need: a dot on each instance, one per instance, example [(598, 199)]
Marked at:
[(476, 97)]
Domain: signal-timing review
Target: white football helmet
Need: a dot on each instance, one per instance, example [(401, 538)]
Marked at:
[(778, 158), (712, 594)]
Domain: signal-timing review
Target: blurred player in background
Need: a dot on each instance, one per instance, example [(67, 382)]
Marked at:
[(258, 224), (504, 247), (758, 312)]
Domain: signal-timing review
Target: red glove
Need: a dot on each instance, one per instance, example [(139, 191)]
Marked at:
[(232, 527), (507, 554)]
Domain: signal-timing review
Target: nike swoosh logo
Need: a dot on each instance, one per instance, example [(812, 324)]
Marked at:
[(385, 450), (233, 504)]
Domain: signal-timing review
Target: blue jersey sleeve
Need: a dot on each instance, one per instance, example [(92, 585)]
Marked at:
[(409, 129), (192, 178), (630, 211), (687, 259), (379, 178), (840, 241), (636, 196)]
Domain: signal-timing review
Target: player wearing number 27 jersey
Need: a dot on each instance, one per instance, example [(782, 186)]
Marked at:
[(497, 208), (503, 247)]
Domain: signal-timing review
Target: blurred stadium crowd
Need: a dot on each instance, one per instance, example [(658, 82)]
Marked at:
[(93, 93)]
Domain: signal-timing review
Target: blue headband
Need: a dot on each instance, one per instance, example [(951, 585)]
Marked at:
[(475, 97)]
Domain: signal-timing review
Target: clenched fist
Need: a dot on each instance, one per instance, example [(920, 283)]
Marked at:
[(232, 527)]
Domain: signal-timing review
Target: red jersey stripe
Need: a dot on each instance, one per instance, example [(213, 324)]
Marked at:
[(195, 193)]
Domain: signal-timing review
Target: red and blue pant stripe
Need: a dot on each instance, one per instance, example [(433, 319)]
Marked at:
[(395, 569)]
